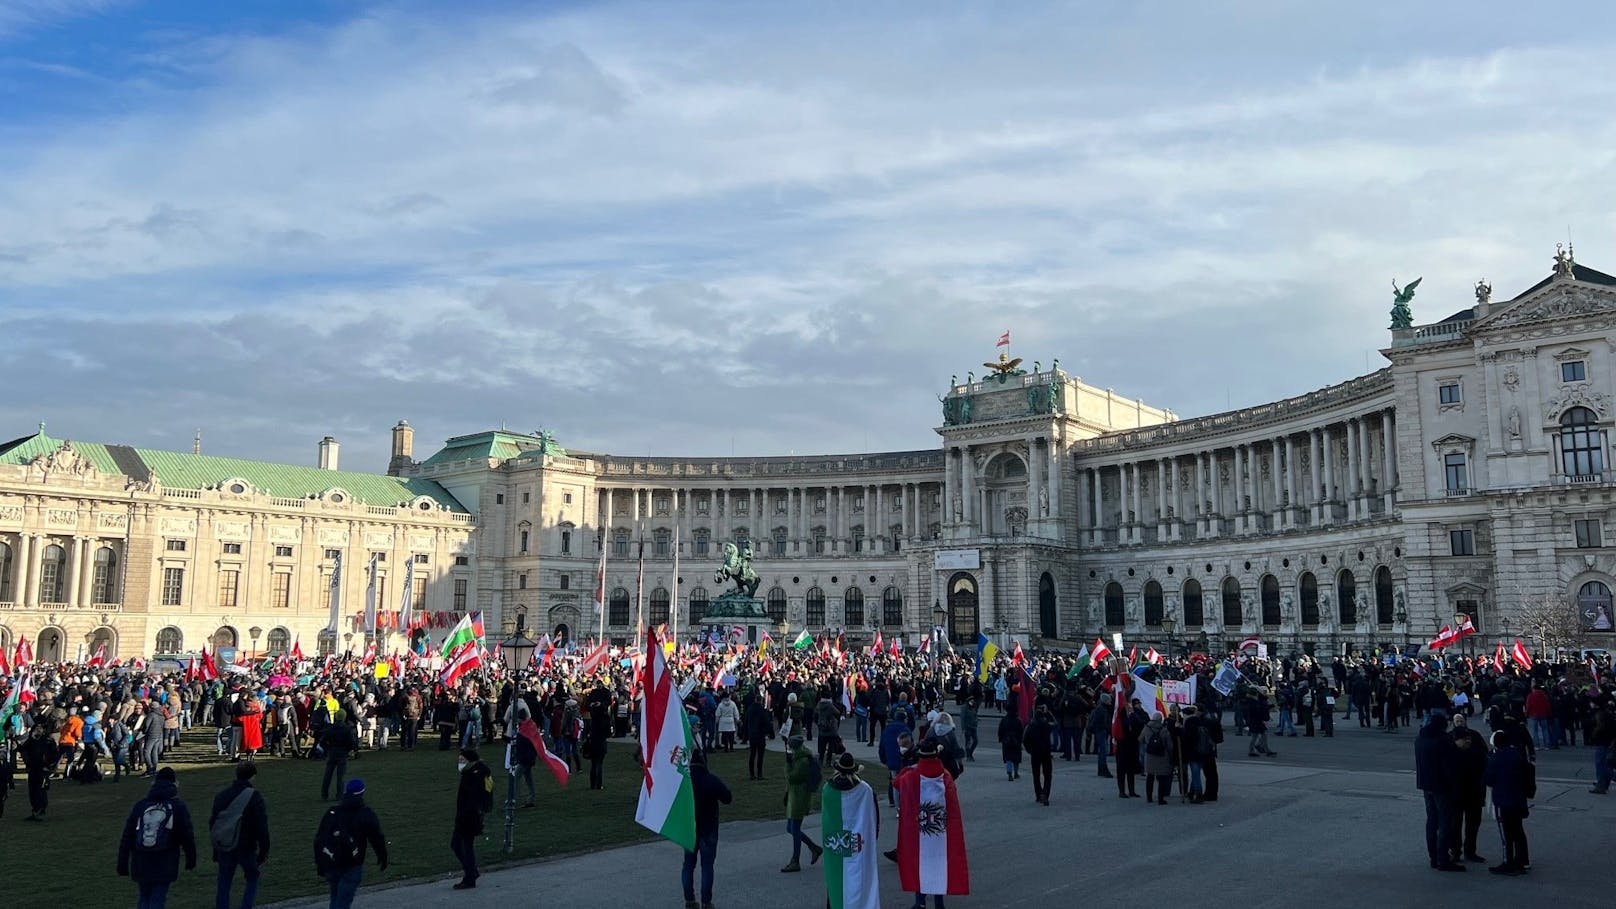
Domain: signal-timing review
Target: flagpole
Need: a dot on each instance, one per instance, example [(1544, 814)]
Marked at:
[(673, 604), (639, 598), (600, 587)]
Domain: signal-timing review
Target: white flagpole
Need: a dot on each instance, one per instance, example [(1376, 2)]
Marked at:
[(600, 586), (673, 605), (336, 593), (639, 598), (370, 599)]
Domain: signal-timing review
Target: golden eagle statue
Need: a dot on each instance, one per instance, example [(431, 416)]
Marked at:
[(1005, 366)]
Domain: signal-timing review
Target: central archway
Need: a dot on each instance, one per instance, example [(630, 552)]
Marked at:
[(964, 614), (1048, 625)]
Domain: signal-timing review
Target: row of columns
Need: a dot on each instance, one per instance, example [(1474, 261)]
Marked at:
[(1289, 500), (76, 580), (839, 514)]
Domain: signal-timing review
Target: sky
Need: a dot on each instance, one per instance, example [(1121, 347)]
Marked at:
[(685, 228)]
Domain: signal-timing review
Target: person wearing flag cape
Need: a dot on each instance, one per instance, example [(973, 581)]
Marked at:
[(931, 832), (850, 826)]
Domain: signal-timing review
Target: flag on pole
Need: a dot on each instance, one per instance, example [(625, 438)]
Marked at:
[(370, 595), (12, 707), (1004, 340), (297, 649), (639, 595), (1099, 654), (986, 652), (876, 647), (1498, 658), (673, 603), (1249, 644), (600, 587), (1443, 638), (593, 660), (1466, 628), (558, 767), (209, 669), (1519, 655), (469, 656), (803, 641), (459, 635), (1082, 662), (336, 593), (1152, 657), (667, 803), (100, 657), (1017, 658), (849, 687), (406, 597), (24, 653)]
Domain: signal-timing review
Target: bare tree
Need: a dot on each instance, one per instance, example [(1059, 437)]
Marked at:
[(1552, 622)]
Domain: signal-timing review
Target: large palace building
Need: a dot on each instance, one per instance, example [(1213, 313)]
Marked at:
[(1470, 475)]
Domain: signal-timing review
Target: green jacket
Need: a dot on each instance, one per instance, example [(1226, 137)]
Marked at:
[(799, 788)]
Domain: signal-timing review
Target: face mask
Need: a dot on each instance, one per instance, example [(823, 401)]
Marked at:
[(462, 766)]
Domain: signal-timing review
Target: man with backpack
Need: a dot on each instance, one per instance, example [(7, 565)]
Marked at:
[(345, 830), (239, 830), (157, 831), (473, 800)]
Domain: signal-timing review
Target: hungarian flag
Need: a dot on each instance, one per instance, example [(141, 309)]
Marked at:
[(1498, 658), (1519, 655), (467, 658), (1099, 654), (803, 641), (558, 767), (931, 835), (1083, 661), (297, 649), (667, 800), (848, 828)]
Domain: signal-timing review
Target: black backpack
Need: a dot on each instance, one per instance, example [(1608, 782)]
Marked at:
[(1156, 745), (336, 845)]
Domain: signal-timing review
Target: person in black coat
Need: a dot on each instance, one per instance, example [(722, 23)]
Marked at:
[(251, 835), (344, 872), (1471, 791), (1010, 735), (759, 725), (710, 792), (1436, 774), (1130, 762), (1514, 783), (338, 742), (1039, 742), (39, 754), (472, 799), (157, 831)]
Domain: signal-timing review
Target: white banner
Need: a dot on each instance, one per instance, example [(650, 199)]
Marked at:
[(958, 559)]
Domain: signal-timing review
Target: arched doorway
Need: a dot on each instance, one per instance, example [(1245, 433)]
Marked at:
[(964, 617), (104, 637), (1048, 624), (563, 634), (563, 619), (49, 649)]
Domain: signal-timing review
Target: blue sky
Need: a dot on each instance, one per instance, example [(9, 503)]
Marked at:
[(699, 228)]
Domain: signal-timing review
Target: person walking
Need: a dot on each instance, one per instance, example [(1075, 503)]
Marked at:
[(157, 831), (238, 829), (968, 725), (710, 792), (759, 730), (1039, 740), (347, 831), (802, 773), (728, 718), (1513, 781), (1436, 775), (1470, 795), (1011, 735), (1158, 759), (337, 741), (38, 754), (850, 826), (473, 799), (1602, 736)]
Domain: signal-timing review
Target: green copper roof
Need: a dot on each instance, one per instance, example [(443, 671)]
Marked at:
[(497, 444), (182, 470)]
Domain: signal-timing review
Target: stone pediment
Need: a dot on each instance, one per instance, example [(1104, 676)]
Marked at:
[(1555, 300), (1454, 440)]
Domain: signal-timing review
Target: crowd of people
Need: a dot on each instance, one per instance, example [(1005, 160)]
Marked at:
[(86, 725)]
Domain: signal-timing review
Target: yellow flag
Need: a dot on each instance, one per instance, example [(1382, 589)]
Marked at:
[(383, 669)]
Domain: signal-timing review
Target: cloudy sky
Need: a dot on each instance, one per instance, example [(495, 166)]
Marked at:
[(691, 228)]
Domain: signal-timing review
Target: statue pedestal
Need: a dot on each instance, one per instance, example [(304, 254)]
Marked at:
[(736, 608)]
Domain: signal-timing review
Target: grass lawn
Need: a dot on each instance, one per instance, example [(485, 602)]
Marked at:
[(413, 795)]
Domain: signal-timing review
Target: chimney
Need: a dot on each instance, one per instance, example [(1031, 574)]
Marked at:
[(403, 449), (328, 453)]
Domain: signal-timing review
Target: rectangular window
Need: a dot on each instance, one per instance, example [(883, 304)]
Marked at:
[(460, 595), (522, 542), (662, 545), (566, 581), (1588, 533), (1448, 393), (566, 498), (701, 544), (1575, 371), (1462, 542), (1455, 472), (1472, 609), (418, 594), (566, 542), (176, 545), (617, 611), (421, 558), (462, 561), (229, 582), (816, 611), (173, 586), (521, 581), (499, 498), (527, 498), (232, 549), (380, 556), (283, 552), (280, 593), (331, 555), (620, 547)]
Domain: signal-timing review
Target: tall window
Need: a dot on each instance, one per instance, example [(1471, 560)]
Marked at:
[(700, 541), (1115, 615), (659, 606), (1231, 603), (853, 607), (1581, 454), (858, 537), (460, 595), (1587, 533), (225, 637), (892, 607), (1270, 600), (819, 540), (1455, 472), (816, 607), (1346, 598), (664, 542), (697, 607), (620, 544), (280, 590), (325, 643), (1308, 587), (1153, 604), (52, 571), (781, 541), (169, 640), (617, 607), (1383, 595), (5, 573), (173, 586), (566, 542), (895, 534), (1593, 606), (776, 605), (521, 541), (229, 582), (418, 593), (1194, 610), (1462, 542), (279, 640), (104, 585)]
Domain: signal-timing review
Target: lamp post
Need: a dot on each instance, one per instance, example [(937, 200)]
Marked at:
[(1402, 620), (347, 644), (253, 633), (518, 648), (1168, 627), (1504, 624), (939, 619)]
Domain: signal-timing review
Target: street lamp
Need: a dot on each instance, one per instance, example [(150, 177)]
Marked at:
[(253, 633), (518, 648), (1504, 624), (1402, 619), (1168, 626)]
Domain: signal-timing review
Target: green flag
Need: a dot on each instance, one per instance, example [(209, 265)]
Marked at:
[(803, 641), (1082, 663)]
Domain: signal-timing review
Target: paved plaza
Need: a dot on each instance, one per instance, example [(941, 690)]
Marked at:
[(1336, 822)]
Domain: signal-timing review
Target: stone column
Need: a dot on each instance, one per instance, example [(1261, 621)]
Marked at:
[(75, 562), (1328, 489), (1135, 503), (1315, 464), (1215, 522), (86, 595), (1161, 497), (967, 487), (1366, 463), (1094, 515), (1276, 509), (1388, 470), (1054, 478), (33, 551), (1293, 496), (1034, 513), (1353, 475)]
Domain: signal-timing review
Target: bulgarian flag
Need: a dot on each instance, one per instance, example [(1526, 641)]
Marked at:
[(803, 641), (667, 800), (848, 827), (558, 767)]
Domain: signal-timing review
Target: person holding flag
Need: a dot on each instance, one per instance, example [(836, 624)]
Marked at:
[(709, 792), (931, 832), (850, 826)]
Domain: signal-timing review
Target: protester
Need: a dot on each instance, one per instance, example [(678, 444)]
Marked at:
[(238, 828), (802, 781), (710, 792), (931, 833), (157, 831), (1470, 790), (850, 826), (1038, 739), (347, 831), (1159, 758), (338, 742), (474, 798), (1513, 782), (1436, 775)]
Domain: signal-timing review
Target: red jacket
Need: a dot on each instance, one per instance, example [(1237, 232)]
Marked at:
[(1538, 706)]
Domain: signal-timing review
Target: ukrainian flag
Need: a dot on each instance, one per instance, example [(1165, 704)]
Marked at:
[(986, 650)]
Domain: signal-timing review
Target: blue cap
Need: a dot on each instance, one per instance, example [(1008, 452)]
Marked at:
[(354, 787)]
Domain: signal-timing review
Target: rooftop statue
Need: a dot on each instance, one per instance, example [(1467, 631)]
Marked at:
[(1005, 368), (1402, 316)]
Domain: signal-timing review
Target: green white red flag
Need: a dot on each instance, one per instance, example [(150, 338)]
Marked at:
[(667, 800)]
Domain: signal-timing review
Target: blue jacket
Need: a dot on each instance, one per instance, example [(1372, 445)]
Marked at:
[(891, 753), (1436, 761), (1511, 777)]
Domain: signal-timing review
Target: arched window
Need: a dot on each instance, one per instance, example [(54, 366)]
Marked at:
[(1153, 604), (853, 607), (659, 606), (1231, 603), (1581, 451), (1115, 614), (1308, 586), (52, 573), (776, 605), (698, 605), (892, 607), (170, 640), (224, 637), (279, 641), (1270, 600), (1346, 598), (1194, 610), (617, 607), (104, 588), (325, 643), (1593, 607), (5, 573), (1383, 595), (816, 607)]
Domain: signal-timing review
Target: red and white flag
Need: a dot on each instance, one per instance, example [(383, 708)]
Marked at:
[(466, 658), (24, 653), (100, 658), (5, 664), (1004, 340), (1498, 659), (1443, 638), (892, 649), (1249, 644), (1519, 655), (558, 767), (593, 660), (1152, 657), (1099, 654), (931, 835), (876, 647), (1017, 658), (209, 670), (297, 648), (1466, 628)]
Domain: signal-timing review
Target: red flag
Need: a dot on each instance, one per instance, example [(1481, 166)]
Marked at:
[(558, 767), (297, 648), (24, 652), (1519, 655), (1029, 692), (1443, 638), (876, 647), (465, 658), (5, 665), (924, 864), (1017, 658), (1133, 656), (1119, 692), (209, 669), (592, 660), (1099, 654), (1004, 340), (1466, 628), (892, 649), (1152, 657), (100, 658)]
